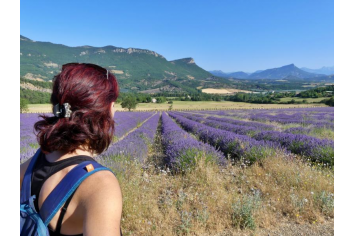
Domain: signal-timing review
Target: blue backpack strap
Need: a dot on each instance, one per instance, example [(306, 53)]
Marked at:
[(66, 187), (29, 212), (26, 182)]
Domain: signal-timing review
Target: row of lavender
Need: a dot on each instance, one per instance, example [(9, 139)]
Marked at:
[(231, 144), (316, 127), (182, 150), (218, 133), (244, 127), (134, 146), (125, 121), (317, 117), (237, 126), (28, 140), (310, 147)]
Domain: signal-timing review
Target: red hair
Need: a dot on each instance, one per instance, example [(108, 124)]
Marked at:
[(89, 89)]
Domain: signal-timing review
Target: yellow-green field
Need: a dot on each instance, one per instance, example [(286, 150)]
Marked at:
[(208, 200), (177, 105), (310, 100)]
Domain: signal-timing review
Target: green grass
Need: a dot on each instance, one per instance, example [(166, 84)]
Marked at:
[(322, 133), (310, 100)]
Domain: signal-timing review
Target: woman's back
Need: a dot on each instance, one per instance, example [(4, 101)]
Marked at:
[(95, 207)]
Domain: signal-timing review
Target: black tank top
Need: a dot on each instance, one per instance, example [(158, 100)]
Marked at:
[(44, 169)]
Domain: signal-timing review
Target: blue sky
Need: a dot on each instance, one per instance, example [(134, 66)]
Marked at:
[(239, 35)]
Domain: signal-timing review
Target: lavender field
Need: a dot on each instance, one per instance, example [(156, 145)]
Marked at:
[(206, 172), (247, 135), (125, 123)]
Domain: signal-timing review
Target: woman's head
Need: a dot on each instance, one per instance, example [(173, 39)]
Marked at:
[(91, 91)]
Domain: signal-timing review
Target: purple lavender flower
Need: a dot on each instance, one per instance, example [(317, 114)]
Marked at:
[(231, 144), (136, 145), (182, 150), (321, 150)]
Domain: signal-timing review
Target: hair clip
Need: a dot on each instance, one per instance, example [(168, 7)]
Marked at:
[(61, 111), (107, 74)]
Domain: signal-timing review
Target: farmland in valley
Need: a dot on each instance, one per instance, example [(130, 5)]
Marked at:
[(191, 105), (219, 170)]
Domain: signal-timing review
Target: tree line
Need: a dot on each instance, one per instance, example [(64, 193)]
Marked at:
[(130, 100)]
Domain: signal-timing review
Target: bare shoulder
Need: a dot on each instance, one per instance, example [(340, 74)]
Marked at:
[(101, 200), (100, 183)]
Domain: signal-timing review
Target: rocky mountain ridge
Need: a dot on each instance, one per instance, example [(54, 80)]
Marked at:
[(136, 69), (32, 87)]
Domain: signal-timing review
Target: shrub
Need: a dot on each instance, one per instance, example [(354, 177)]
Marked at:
[(243, 211), (23, 105)]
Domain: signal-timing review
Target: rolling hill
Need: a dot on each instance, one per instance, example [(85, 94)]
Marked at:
[(136, 69)]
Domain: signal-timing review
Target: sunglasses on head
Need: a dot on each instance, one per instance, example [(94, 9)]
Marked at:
[(99, 68)]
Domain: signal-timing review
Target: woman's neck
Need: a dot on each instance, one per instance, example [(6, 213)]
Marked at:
[(59, 155)]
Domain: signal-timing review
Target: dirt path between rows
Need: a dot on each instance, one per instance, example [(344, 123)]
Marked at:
[(125, 135)]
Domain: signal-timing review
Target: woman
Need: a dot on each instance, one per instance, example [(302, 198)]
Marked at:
[(83, 100)]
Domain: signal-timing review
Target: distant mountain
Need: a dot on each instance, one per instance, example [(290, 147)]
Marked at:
[(283, 72), (325, 70), (237, 75), (219, 73), (257, 71), (136, 69), (188, 68)]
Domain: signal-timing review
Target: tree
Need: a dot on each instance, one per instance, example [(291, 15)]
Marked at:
[(330, 102), (292, 101), (23, 105), (161, 99), (129, 102)]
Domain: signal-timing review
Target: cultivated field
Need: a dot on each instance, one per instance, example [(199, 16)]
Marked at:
[(224, 91), (221, 172), (310, 100), (177, 105)]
